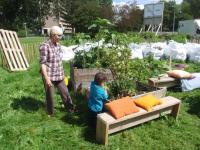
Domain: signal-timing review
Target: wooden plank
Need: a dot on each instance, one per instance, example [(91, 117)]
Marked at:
[(9, 49), (4, 47), (20, 60), (167, 102), (163, 81), (13, 50), (102, 131), (176, 110), (86, 75), (21, 50), (138, 120), (6, 40), (159, 93)]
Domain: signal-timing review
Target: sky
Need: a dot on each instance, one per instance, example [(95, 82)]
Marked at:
[(140, 2)]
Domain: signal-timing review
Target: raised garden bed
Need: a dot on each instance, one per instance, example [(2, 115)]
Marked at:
[(81, 78)]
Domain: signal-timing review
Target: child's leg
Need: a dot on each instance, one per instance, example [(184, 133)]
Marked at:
[(92, 118)]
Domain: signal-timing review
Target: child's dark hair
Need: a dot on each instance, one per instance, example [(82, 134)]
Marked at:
[(99, 78)]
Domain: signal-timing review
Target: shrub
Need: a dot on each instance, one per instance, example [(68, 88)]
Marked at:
[(21, 33), (181, 38)]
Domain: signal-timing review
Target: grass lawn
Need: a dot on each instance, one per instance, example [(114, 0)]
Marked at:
[(29, 40), (24, 123)]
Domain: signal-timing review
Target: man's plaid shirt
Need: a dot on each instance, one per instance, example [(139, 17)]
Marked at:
[(51, 56)]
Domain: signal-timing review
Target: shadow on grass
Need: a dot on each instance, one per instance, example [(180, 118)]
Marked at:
[(28, 104), (174, 89), (190, 97), (80, 118), (194, 105)]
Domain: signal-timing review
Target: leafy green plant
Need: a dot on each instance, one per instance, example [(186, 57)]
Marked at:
[(21, 33), (90, 59), (81, 38), (117, 59), (181, 38), (147, 67)]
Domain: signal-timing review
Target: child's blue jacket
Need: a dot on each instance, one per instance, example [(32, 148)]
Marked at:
[(97, 97)]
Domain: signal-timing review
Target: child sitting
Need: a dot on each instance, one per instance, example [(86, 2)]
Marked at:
[(97, 97)]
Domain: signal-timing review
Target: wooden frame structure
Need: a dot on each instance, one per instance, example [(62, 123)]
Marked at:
[(107, 124), (12, 51), (163, 82), (81, 78)]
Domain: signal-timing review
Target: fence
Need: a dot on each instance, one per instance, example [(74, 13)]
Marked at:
[(31, 51)]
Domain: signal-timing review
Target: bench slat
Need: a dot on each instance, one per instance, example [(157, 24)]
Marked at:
[(167, 101), (137, 120)]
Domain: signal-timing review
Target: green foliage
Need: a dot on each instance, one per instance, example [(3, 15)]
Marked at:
[(24, 123), (117, 60), (147, 68), (21, 33), (15, 13), (81, 38), (89, 59), (192, 7), (105, 3), (116, 57), (80, 14), (101, 29), (181, 38), (149, 37), (136, 37), (101, 24), (129, 17)]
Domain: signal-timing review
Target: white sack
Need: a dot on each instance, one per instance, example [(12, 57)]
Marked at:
[(177, 51), (67, 52)]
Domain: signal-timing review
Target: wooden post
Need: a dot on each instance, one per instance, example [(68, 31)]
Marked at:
[(170, 62), (102, 131), (176, 110)]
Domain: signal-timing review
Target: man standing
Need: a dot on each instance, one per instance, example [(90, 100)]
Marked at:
[(52, 70)]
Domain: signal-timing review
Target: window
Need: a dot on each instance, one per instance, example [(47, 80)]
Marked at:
[(198, 31)]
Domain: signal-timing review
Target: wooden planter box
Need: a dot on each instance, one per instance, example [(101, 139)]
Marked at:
[(81, 78)]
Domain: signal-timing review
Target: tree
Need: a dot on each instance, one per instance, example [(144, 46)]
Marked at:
[(14, 13), (128, 17), (80, 14), (106, 11), (192, 7)]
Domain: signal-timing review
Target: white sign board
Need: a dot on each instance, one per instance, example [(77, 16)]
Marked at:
[(153, 13), (153, 10)]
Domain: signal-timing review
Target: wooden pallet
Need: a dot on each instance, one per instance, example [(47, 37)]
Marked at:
[(106, 124), (12, 50)]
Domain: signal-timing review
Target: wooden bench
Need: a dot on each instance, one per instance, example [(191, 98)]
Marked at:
[(106, 124), (163, 81)]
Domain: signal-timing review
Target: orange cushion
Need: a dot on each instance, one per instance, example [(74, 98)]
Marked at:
[(179, 74), (122, 107), (147, 101)]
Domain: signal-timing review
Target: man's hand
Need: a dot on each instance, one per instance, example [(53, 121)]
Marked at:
[(49, 83), (44, 72)]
